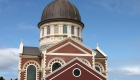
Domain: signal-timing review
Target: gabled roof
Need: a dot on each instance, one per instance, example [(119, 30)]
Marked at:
[(33, 51), (72, 42), (99, 54), (66, 71)]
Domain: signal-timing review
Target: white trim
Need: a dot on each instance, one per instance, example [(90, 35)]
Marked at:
[(74, 74), (19, 69), (54, 60), (60, 34), (73, 66), (101, 51), (93, 58), (28, 56), (28, 63), (106, 69), (71, 62), (68, 54), (86, 62), (44, 71), (71, 39), (37, 78), (81, 44), (21, 48), (100, 66), (68, 44)]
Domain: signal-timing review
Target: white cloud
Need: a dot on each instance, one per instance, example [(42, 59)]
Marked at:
[(9, 63), (128, 70), (8, 57), (132, 70), (23, 26), (122, 6)]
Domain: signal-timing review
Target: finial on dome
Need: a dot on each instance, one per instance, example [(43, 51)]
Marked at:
[(97, 47)]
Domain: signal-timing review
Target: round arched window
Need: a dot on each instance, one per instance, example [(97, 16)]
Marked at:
[(76, 72), (31, 73), (56, 66)]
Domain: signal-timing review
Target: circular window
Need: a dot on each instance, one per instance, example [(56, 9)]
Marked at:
[(76, 72)]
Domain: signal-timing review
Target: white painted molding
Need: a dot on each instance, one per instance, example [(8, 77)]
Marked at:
[(70, 44), (100, 51), (73, 65), (54, 60), (19, 68), (44, 41), (68, 54), (86, 62), (28, 63), (100, 66), (74, 74), (71, 39)]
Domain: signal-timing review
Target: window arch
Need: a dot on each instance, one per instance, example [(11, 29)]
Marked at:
[(56, 66), (31, 72), (99, 67), (86, 61), (55, 60), (48, 30), (72, 29), (64, 29)]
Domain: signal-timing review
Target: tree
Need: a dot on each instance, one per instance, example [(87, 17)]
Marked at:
[(1, 78), (16, 79)]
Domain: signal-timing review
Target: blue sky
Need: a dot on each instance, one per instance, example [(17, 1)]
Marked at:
[(113, 24)]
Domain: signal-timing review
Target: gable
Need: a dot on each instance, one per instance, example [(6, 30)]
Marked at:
[(68, 49), (69, 40), (66, 72), (99, 54)]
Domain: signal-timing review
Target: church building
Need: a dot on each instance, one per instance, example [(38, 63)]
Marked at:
[(61, 54)]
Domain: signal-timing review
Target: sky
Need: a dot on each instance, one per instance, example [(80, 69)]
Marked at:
[(113, 24)]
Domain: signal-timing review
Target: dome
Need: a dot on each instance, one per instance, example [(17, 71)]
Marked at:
[(60, 10)]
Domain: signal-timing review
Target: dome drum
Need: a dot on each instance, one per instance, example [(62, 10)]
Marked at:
[(56, 31)]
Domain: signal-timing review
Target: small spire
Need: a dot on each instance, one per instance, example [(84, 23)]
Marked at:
[(21, 47), (97, 47)]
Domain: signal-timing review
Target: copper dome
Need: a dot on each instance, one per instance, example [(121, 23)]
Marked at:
[(60, 10)]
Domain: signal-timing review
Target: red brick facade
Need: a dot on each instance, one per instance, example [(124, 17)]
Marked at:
[(66, 73), (66, 52)]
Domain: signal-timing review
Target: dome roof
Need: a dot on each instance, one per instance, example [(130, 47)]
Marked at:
[(60, 9)]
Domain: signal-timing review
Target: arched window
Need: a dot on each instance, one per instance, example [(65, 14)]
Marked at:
[(64, 29), (56, 29), (48, 30), (97, 68), (72, 29), (42, 31), (56, 66), (31, 73), (77, 31)]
